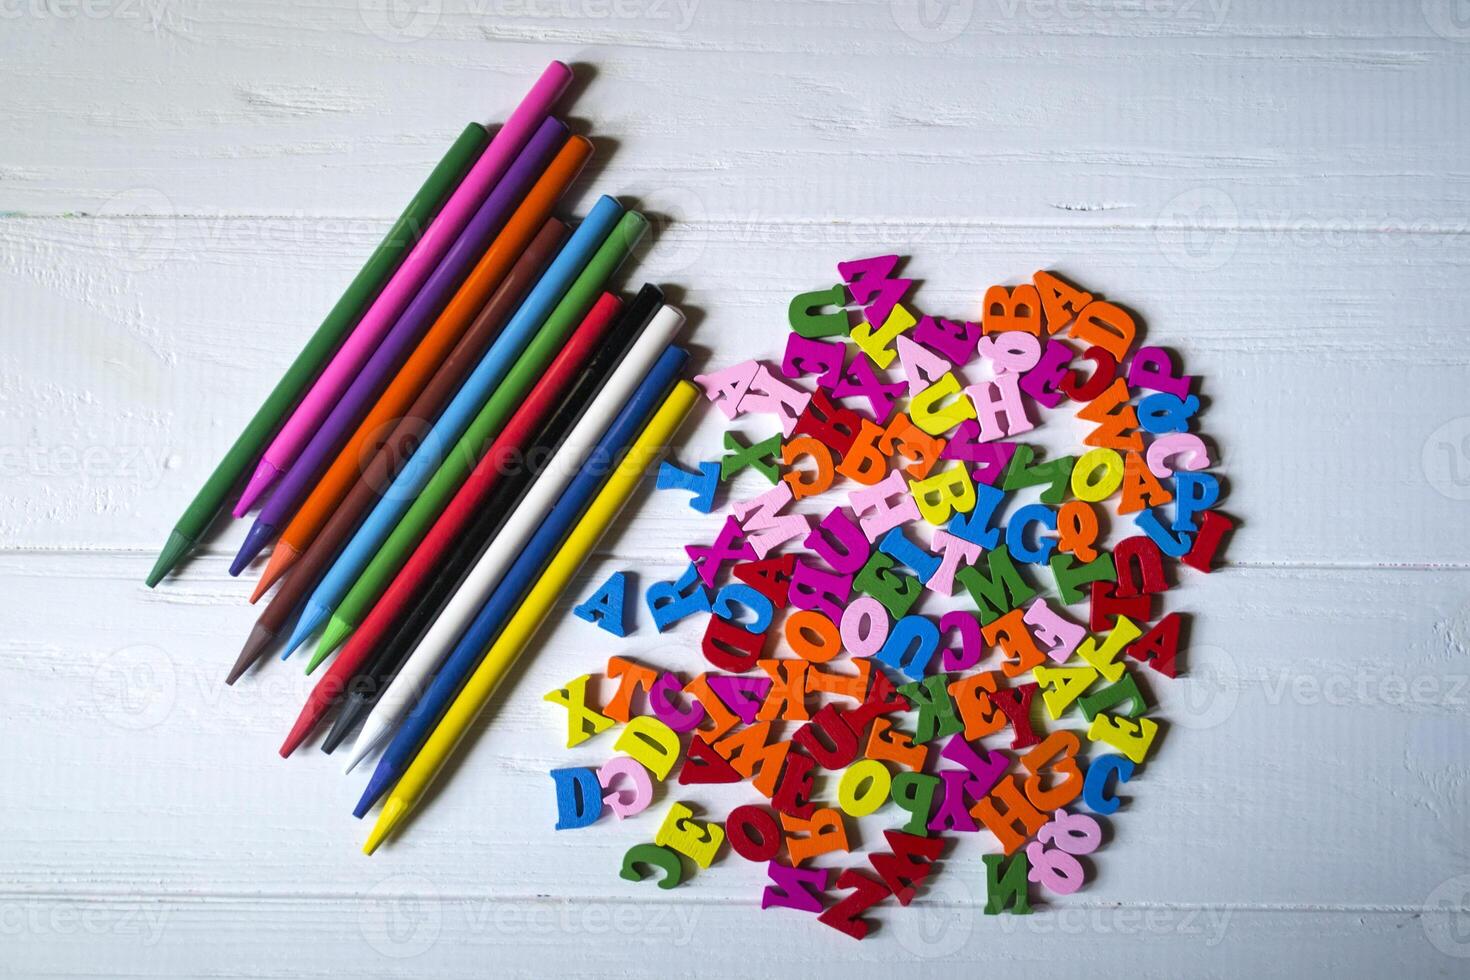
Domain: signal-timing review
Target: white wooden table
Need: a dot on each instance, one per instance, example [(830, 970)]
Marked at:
[(1280, 189)]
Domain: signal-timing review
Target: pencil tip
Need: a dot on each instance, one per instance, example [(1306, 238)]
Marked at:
[(393, 812), (340, 728), (376, 787), (305, 722), (337, 630), (177, 546), (347, 717), (361, 749), (317, 656), (311, 618), (353, 759), (255, 539), (282, 557), (260, 637), (264, 475)]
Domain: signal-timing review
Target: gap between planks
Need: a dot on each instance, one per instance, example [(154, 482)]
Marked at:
[(1247, 565), (223, 896), (745, 225)]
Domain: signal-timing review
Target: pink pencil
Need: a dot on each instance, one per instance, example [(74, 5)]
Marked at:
[(405, 284)]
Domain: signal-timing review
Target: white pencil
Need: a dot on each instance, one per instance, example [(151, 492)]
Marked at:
[(420, 665)]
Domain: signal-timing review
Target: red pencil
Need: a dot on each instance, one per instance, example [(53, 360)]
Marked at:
[(519, 432)]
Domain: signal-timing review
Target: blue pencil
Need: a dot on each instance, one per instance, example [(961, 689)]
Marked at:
[(466, 655), (456, 417)]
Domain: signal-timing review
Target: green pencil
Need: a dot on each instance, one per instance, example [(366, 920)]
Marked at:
[(319, 349), (460, 460)]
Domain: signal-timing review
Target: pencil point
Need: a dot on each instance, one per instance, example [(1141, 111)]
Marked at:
[(265, 474), (305, 722), (255, 539), (177, 546), (255, 644), (382, 778), (337, 630), (360, 751), (393, 812), (311, 618), (283, 556), (347, 718)]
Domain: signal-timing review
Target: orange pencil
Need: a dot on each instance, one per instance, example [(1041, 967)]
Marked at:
[(425, 359)]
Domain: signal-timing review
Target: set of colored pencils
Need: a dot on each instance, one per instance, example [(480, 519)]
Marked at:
[(448, 448)]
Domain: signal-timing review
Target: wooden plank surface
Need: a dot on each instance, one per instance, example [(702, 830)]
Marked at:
[(1280, 192)]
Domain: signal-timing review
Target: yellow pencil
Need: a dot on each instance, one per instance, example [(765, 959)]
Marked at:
[(532, 612)]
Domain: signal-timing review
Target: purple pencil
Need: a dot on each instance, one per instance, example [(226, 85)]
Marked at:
[(406, 331)]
